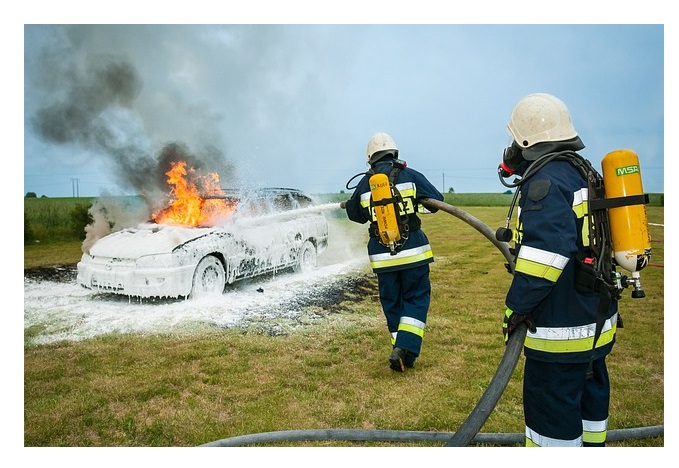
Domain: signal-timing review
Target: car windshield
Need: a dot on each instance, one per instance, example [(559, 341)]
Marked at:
[(272, 201)]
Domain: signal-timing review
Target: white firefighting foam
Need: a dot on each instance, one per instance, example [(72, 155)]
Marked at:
[(56, 312)]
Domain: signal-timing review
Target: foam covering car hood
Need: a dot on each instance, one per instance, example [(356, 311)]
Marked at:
[(147, 239)]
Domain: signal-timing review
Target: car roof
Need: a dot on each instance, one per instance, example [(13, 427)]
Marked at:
[(267, 199), (265, 192)]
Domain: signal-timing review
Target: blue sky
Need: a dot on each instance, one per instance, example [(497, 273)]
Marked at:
[(294, 105)]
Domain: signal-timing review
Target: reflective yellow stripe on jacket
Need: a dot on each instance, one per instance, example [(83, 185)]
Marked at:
[(408, 194), (571, 339), (540, 263), (404, 257), (581, 209)]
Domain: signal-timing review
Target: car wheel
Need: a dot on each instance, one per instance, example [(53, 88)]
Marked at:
[(306, 258), (209, 277)]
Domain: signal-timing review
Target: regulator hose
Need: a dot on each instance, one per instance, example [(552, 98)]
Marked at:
[(469, 430)]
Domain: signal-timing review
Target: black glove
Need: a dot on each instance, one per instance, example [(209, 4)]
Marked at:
[(512, 321)]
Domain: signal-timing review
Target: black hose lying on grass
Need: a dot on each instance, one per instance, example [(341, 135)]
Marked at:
[(469, 430), (360, 435)]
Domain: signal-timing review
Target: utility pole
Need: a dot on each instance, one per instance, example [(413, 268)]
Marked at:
[(75, 188), (443, 189)]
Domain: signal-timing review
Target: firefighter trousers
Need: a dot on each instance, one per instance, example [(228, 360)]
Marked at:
[(405, 296), (562, 407)]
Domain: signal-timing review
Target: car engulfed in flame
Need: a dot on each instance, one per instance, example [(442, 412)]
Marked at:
[(270, 230)]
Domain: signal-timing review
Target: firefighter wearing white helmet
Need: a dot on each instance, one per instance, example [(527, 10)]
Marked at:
[(402, 266), (538, 118), (571, 319), (380, 144)]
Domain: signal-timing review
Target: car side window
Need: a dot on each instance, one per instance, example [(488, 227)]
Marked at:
[(303, 201), (263, 204), (283, 203)]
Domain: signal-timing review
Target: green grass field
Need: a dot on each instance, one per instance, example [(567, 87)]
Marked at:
[(167, 391)]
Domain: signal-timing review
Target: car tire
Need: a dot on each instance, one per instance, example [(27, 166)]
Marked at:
[(306, 257), (209, 278)]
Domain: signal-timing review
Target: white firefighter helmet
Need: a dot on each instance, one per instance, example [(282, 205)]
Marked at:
[(380, 142), (539, 118)]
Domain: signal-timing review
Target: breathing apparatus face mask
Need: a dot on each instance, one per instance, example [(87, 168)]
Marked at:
[(511, 158)]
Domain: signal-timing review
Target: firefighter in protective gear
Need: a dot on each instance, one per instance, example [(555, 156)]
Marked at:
[(402, 275), (566, 387)]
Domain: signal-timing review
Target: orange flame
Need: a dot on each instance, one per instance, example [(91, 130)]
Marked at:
[(188, 207)]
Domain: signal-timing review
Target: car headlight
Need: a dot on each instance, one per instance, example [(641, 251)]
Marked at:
[(156, 261)]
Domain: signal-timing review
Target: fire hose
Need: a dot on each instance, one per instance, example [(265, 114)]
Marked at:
[(365, 435), (469, 430), (477, 418)]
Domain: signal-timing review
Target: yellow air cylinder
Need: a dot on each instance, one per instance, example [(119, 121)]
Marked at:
[(629, 224), (387, 223)]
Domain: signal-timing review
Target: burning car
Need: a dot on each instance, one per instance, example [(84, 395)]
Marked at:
[(267, 230)]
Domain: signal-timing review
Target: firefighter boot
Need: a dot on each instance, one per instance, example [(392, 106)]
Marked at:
[(397, 360), (409, 360)]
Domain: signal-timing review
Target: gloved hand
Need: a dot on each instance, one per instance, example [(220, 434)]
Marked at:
[(512, 321)]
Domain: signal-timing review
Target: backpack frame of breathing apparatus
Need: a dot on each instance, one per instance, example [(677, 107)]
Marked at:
[(390, 224), (596, 266)]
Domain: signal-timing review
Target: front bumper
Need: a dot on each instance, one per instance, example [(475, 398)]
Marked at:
[(127, 279)]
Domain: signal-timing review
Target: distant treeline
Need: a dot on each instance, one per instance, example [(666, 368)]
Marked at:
[(48, 219), (476, 199)]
